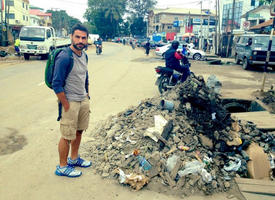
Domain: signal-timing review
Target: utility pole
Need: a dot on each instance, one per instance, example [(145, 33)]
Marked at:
[(230, 38), (208, 30), (201, 27), (2, 24), (189, 26), (219, 26), (227, 46), (6, 31), (216, 31)]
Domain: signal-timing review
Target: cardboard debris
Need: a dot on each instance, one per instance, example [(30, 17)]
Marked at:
[(259, 166), (136, 181)]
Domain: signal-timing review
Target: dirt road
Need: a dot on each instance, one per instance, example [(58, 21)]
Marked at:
[(120, 77)]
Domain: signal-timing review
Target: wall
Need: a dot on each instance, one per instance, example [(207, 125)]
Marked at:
[(165, 23), (246, 6), (21, 14)]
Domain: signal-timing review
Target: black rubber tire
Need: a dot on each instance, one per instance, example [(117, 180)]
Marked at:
[(164, 80), (237, 61), (245, 64), (45, 56), (26, 56), (197, 56)]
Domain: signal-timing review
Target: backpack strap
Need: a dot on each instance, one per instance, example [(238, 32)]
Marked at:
[(85, 55), (69, 51)]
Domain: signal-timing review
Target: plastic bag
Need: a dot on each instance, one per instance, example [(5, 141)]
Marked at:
[(171, 162), (196, 167), (193, 167), (233, 165), (206, 177), (213, 82)]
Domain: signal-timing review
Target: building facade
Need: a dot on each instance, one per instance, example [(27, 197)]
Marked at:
[(15, 14), (241, 8), (45, 18), (18, 14), (257, 16), (181, 21)]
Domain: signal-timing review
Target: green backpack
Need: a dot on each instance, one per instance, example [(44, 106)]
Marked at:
[(49, 70)]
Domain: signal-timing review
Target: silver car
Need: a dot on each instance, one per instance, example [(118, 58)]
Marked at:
[(192, 53)]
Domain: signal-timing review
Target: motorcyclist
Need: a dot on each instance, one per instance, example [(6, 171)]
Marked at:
[(173, 58), (99, 43)]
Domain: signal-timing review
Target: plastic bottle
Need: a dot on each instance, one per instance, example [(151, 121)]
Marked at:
[(144, 163), (183, 148)]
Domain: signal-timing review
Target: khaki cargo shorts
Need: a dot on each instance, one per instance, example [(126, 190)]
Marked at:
[(76, 118)]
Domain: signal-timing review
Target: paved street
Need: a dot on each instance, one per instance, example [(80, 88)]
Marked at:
[(119, 78)]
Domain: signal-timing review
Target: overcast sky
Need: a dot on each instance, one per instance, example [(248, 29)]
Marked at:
[(76, 8)]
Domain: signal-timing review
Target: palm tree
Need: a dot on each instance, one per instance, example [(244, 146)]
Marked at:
[(114, 9)]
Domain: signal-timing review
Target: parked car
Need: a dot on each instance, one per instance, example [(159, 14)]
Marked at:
[(251, 50), (153, 44), (117, 40), (192, 53), (140, 41)]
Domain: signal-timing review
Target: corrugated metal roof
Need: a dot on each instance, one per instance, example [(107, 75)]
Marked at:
[(192, 11), (39, 13)]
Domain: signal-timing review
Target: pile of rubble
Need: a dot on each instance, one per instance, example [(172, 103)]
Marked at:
[(188, 142), (268, 98)]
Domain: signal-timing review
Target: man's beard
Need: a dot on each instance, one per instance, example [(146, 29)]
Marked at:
[(79, 48)]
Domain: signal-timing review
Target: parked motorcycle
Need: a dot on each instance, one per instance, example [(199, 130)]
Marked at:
[(168, 78), (98, 49)]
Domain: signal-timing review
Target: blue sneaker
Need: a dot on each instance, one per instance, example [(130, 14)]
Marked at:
[(79, 162), (67, 171)]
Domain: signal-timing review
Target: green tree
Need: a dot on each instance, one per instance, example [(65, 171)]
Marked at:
[(61, 20), (125, 28), (138, 26), (139, 11), (105, 16), (140, 8)]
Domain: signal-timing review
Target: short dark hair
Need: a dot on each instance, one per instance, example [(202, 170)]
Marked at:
[(80, 27)]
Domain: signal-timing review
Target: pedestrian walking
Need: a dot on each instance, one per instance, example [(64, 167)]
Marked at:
[(147, 47), (205, 45), (73, 93), (16, 46), (133, 45)]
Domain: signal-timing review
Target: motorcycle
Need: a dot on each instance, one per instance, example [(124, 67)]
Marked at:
[(168, 78), (98, 49)]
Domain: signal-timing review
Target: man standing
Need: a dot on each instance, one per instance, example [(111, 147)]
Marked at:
[(72, 91)]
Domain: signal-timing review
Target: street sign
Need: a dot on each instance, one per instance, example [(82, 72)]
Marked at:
[(246, 25), (176, 24)]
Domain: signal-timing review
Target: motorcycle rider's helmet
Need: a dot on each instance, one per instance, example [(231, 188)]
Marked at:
[(175, 44)]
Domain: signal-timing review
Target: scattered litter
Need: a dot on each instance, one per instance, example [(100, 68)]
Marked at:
[(167, 105), (171, 162), (214, 83), (144, 164), (193, 167), (136, 181), (204, 146), (233, 165)]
